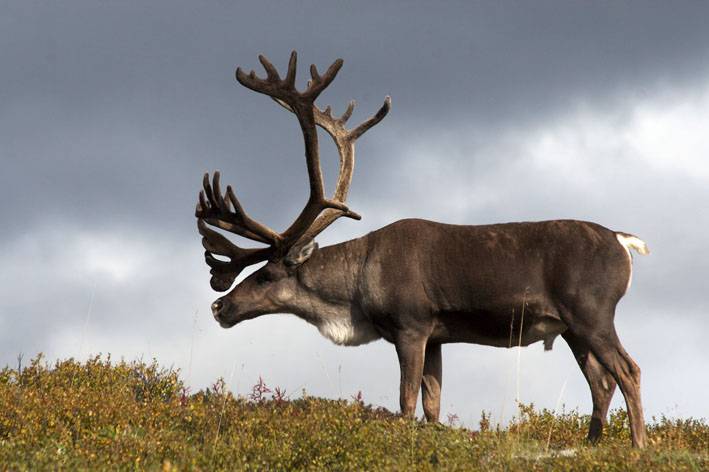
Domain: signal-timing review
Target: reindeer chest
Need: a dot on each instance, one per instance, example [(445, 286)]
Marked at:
[(348, 332), (344, 326)]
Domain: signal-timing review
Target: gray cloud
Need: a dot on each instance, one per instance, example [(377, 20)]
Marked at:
[(119, 105), (111, 112)]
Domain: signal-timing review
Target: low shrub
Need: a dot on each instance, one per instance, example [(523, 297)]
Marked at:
[(132, 415)]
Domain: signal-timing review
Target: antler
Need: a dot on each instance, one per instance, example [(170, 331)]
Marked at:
[(216, 209), (302, 104), (345, 142), (319, 212)]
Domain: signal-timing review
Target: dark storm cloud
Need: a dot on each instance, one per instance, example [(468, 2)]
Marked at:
[(111, 111), (114, 109)]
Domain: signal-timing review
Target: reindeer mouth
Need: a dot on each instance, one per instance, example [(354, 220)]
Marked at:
[(226, 325)]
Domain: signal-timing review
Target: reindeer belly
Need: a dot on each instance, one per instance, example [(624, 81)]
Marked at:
[(499, 329)]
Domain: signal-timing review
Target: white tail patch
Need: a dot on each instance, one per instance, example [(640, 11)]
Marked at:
[(628, 241)]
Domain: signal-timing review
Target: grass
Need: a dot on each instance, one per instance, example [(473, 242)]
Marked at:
[(136, 416)]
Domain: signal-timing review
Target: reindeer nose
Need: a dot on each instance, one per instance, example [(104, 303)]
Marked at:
[(216, 307)]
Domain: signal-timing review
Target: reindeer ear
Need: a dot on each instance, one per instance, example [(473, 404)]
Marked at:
[(300, 253)]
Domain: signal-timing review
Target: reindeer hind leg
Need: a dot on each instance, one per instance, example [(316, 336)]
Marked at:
[(606, 347), (599, 380), (590, 322)]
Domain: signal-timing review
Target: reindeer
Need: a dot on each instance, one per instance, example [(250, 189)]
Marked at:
[(419, 284)]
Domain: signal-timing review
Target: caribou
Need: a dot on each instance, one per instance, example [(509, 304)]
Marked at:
[(420, 284)]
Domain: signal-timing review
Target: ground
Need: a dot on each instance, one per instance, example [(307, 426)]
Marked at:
[(134, 416)]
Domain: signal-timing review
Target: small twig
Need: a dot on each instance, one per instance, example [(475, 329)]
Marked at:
[(85, 329), (558, 402), (189, 362), (86, 320), (512, 322), (324, 368), (412, 425), (19, 366), (339, 378), (519, 343), (519, 357), (221, 414), (508, 378)]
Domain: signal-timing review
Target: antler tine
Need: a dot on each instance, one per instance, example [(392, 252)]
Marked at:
[(217, 192), (314, 74), (346, 115), (318, 83), (216, 210), (254, 226), (271, 71), (292, 66), (371, 121)]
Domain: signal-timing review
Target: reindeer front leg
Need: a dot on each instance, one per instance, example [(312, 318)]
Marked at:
[(410, 349), (432, 382)]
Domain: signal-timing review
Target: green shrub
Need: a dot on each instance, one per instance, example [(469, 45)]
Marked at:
[(104, 415)]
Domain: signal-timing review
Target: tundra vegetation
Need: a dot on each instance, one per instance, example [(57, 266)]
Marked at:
[(106, 415)]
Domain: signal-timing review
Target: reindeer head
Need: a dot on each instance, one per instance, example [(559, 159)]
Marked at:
[(271, 288)]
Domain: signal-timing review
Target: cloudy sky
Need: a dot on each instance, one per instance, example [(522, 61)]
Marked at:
[(502, 111)]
